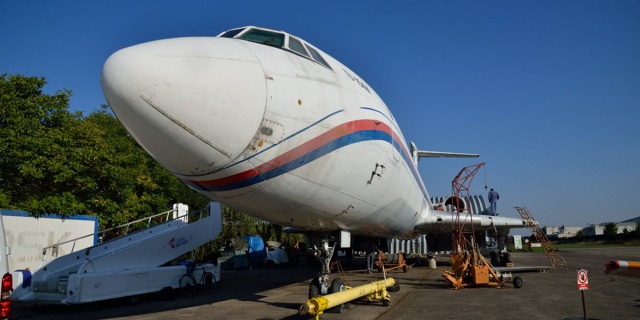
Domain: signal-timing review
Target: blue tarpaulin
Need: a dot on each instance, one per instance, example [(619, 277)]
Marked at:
[(257, 250)]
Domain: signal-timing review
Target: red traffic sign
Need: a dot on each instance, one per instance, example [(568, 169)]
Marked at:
[(583, 280)]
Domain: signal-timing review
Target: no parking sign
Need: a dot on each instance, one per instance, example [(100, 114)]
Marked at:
[(583, 284), (583, 280)]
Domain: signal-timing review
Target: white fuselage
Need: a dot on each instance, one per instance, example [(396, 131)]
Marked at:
[(271, 133)]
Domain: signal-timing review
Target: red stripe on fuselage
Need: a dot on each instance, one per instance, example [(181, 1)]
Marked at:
[(301, 150)]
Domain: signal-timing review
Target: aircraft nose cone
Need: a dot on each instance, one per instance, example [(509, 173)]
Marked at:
[(193, 103)]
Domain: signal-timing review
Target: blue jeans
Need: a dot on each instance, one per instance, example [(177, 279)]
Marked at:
[(371, 258), (494, 207)]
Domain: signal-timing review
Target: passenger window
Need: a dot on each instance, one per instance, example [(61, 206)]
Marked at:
[(296, 45), (316, 55), (264, 37)]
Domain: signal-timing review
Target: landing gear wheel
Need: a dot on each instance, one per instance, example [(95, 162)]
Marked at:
[(314, 289), (386, 302), (209, 282), (337, 286), (517, 282), (188, 285)]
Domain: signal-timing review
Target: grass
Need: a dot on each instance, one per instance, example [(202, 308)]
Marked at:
[(587, 245), (574, 245)]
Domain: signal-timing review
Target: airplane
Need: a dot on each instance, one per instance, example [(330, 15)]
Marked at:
[(264, 122)]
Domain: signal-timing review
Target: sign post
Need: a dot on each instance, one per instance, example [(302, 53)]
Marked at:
[(583, 284)]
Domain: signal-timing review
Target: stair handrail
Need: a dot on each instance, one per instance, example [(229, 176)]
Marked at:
[(167, 218)]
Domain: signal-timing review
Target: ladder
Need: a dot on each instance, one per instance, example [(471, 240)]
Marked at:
[(549, 249)]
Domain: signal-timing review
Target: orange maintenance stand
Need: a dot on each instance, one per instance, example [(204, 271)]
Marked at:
[(391, 262)]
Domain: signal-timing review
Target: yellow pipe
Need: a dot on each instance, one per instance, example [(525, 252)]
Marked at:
[(623, 268), (376, 289)]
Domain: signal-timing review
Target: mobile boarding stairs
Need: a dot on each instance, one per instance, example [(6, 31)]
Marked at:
[(126, 266)]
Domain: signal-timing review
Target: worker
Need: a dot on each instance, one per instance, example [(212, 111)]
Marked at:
[(371, 256), (493, 200)]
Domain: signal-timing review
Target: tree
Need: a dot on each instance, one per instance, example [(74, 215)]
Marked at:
[(122, 177), (56, 161), (236, 223), (610, 229), (33, 134)]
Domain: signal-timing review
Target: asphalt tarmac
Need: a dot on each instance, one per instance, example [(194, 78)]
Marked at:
[(277, 293)]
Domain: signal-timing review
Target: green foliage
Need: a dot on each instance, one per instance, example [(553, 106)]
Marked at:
[(33, 130), (56, 161), (237, 224), (610, 229)]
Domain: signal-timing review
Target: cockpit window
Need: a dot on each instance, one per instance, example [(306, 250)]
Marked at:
[(231, 33), (265, 37), (277, 39), (316, 55), (297, 46)]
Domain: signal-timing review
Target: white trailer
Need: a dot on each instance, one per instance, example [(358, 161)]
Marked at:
[(26, 236)]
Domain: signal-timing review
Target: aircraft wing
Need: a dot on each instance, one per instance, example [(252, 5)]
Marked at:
[(438, 229), (440, 221)]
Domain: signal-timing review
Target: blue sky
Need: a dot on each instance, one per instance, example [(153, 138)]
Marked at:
[(548, 92)]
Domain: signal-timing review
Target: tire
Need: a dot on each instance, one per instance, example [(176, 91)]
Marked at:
[(394, 288), (167, 294), (337, 286), (495, 259), (517, 282), (134, 299), (188, 285), (506, 258), (314, 289), (209, 282), (386, 302)]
